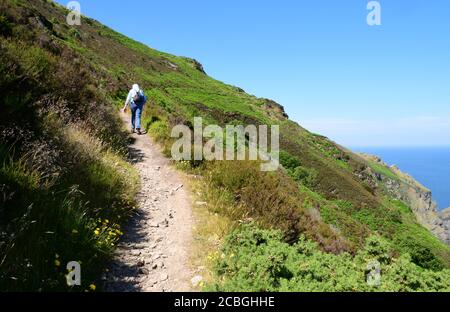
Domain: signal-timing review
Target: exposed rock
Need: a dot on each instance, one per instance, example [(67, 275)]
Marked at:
[(141, 262), (143, 271), (414, 194), (164, 223), (197, 65), (42, 22), (164, 277), (196, 280), (275, 108), (178, 187), (171, 65), (238, 89), (136, 253)]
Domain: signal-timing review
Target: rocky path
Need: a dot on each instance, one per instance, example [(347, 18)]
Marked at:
[(153, 253)]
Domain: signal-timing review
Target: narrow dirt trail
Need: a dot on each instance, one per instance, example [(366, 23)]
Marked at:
[(153, 254)]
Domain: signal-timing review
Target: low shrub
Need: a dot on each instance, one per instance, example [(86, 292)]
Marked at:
[(304, 176), (259, 195), (159, 131), (256, 260), (273, 200), (5, 26), (288, 161)]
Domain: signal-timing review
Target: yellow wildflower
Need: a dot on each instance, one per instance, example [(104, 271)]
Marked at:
[(92, 287), (57, 263), (97, 232)]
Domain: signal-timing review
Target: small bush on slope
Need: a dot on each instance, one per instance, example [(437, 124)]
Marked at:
[(259, 260)]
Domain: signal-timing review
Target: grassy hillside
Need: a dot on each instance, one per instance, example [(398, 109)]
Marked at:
[(64, 169)]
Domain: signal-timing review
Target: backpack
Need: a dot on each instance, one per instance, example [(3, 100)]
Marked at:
[(139, 98)]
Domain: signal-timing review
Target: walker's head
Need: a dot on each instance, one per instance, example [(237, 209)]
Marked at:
[(136, 87)]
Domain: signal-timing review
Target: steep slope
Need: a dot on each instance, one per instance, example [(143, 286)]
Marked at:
[(64, 180), (58, 77)]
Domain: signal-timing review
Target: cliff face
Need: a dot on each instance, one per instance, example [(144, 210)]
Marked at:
[(405, 188), (443, 224)]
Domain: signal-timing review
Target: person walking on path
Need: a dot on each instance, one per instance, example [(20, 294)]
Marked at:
[(136, 99)]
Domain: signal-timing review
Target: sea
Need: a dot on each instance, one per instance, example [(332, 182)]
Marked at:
[(428, 165)]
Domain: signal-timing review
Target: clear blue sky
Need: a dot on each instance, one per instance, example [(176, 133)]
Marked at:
[(359, 85)]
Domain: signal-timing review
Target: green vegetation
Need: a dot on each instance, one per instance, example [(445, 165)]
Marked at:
[(49, 221), (64, 181), (382, 170), (259, 260), (63, 167)]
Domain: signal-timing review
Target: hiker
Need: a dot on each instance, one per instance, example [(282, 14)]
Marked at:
[(136, 99)]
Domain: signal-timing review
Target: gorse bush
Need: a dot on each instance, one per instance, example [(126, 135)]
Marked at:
[(304, 176), (259, 260)]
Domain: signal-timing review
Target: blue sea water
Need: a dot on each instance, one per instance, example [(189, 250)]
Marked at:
[(428, 165)]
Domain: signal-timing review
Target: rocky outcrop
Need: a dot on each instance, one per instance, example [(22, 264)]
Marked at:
[(275, 109), (196, 64), (405, 188), (444, 217)]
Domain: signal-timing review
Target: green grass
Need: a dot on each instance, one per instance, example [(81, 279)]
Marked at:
[(382, 170), (258, 260), (65, 183)]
